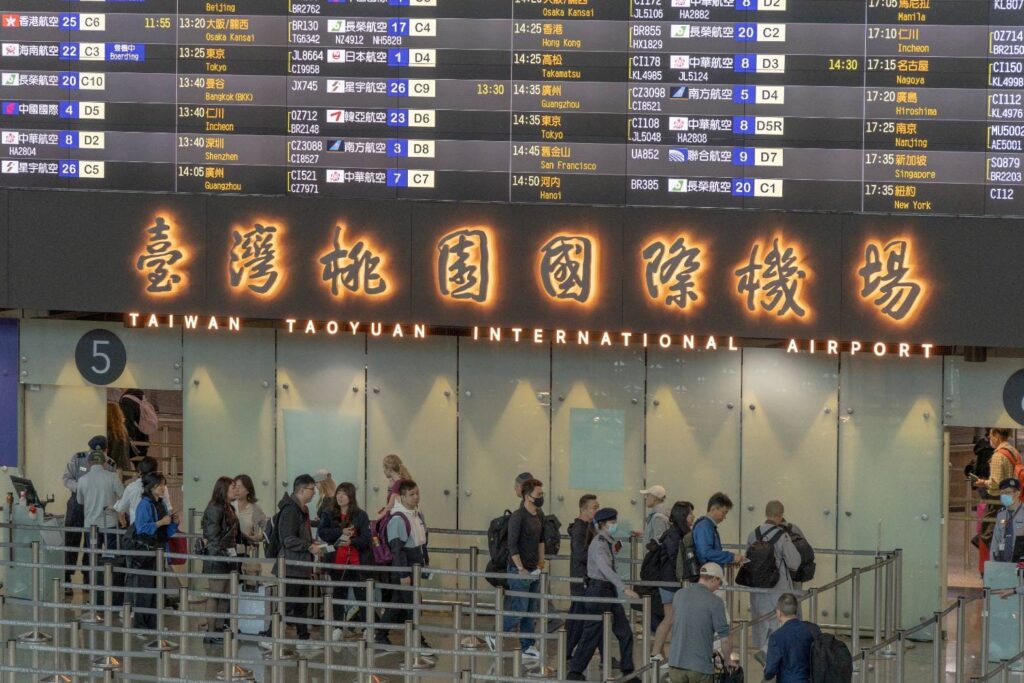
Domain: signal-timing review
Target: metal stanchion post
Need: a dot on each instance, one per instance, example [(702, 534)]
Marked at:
[(938, 668), (160, 644), (1004, 676), (472, 642), (35, 635), (900, 651), (730, 597), (466, 676), (126, 639), (107, 662), (75, 642), (234, 586), (606, 646), (232, 670), (545, 584), (189, 567), (563, 656), (890, 583), (517, 664), (417, 582), (183, 608), (877, 621), (370, 634), (93, 616), (961, 638), (407, 664), (645, 635), (744, 642), (281, 590), (303, 671), (58, 597), (897, 599), (499, 626), (12, 660), (361, 661), (279, 652), (813, 602), (855, 612), (986, 595), (457, 638), (165, 664)]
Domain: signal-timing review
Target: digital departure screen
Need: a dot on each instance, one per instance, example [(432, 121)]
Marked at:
[(896, 106)]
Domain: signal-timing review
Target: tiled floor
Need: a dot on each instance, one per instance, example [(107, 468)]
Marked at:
[(918, 658)]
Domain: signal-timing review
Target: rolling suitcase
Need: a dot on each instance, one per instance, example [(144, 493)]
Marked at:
[(255, 604)]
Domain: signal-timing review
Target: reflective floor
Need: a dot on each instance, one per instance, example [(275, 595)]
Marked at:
[(917, 660)]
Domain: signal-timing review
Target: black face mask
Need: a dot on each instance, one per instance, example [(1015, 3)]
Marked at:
[(539, 502)]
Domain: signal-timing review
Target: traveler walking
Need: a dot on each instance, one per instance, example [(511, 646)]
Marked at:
[(698, 618), (220, 532), (789, 646), (603, 581), (526, 560), (407, 540), (152, 527), (74, 515), (395, 472), (769, 544), (119, 444), (581, 533), (521, 479), (680, 523), (656, 522), (125, 507), (346, 528), (1008, 537), (706, 542), (139, 418), (1004, 460)]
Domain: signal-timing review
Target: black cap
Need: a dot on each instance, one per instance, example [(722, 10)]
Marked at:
[(605, 514), (1010, 483), (523, 477), (98, 443)]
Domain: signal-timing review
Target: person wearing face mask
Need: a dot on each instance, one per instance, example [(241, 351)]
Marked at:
[(1001, 466), (526, 559), (1009, 522), (603, 581)]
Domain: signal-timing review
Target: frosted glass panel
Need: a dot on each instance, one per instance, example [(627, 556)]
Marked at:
[(890, 431), (974, 392), (59, 421), (228, 413), (597, 449), (315, 439), (693, 426)]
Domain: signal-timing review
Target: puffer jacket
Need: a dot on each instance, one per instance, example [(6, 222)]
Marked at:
[(296, 536)]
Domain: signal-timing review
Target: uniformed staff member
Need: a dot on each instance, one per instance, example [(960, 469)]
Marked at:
[(603, 582), (1009, 521), (74, 515)]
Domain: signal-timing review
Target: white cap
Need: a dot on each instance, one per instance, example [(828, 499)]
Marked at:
[(713, 570), (321, 475), (658, 491)]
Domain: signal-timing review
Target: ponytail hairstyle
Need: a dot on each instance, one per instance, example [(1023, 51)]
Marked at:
[(392, 463)]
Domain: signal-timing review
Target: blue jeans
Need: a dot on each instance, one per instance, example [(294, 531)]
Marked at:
[(515, 603)]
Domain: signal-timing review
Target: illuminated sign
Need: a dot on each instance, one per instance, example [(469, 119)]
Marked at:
[(568, 268), (465, 268), (355, 268), (255, 259), (162, 259), (771, 280), (670, 272), (887, 280)]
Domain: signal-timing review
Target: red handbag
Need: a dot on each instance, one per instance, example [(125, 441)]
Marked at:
[(177, 545)]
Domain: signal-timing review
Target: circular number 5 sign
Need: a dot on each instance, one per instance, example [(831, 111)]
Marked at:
[(100, 356)]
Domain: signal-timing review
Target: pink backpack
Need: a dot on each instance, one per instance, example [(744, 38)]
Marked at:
[(149, 422)]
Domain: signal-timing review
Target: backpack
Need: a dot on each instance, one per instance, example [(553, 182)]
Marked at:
[(655, 561), (723, 675), (497, 546), (687, 564), (149, 422), (1015, 462), (271, 539), (552, 535), (762, 569), (831, 661), (805, 572), (382, 554)]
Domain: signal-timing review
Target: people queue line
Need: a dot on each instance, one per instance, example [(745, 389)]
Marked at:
[(689, 621)]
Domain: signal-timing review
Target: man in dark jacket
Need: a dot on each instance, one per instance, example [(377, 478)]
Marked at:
[(581, 533), (297, 545), (789, 647)]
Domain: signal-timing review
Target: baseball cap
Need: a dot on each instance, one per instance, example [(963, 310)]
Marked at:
[(523, 477), (658, 491), (1010, 483), (321, 475), (713, 570), (97, 458), (98, 443)]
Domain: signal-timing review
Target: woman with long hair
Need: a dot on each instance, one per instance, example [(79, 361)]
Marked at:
[(220, 531), (152, 527), (345, 526), (325, 488), (251, 520), (680, 522), (395, 471), (119, 445)]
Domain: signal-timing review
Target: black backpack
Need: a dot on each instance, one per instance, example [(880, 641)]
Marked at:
[(687, 563), (655, 561), (272, 539), (552, 534), (761, 570), (805, 572), (497, 546), (830, 660)]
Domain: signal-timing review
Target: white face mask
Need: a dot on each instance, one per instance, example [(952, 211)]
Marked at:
[(612, 528)]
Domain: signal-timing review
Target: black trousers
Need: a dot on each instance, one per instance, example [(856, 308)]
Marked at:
[(397, 614), (574, 629), (139, 598), (297, 610), (591, 637), (341, 593), (74, 515)]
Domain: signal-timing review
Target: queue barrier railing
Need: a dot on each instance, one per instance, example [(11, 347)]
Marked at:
[(885, 571)]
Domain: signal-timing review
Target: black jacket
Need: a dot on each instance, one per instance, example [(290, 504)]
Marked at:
[(221, 534), (329, 531), (580, 535), (672, 540), (293, 529)]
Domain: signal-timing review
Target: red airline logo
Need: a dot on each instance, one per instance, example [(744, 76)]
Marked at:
[(11, 20)]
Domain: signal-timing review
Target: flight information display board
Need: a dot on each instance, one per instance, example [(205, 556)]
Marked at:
[(848, 105)]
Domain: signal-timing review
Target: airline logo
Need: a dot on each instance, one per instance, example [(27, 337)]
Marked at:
[(336, 56), (11, 20), (677, 184), (677, 154), (679, 61), (680, 31), (678, 123), (335, 175)]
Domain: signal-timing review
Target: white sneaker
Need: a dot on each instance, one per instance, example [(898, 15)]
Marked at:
[(337, 635), (266, 645), (309, 644), (531, 653), (492, 644)]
